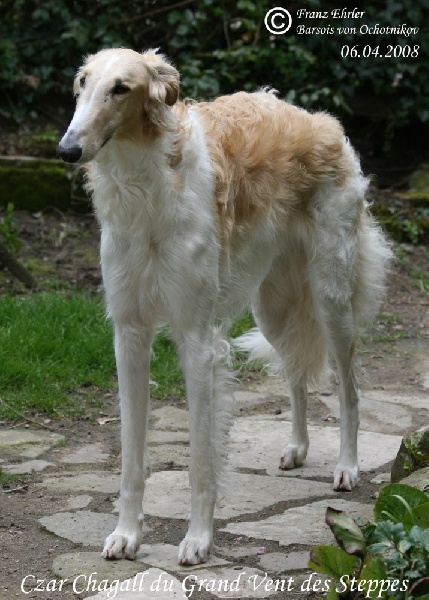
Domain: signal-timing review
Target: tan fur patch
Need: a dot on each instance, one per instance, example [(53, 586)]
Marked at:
[(269, 156)]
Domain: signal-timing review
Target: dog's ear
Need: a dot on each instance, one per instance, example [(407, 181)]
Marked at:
[(163, 83)]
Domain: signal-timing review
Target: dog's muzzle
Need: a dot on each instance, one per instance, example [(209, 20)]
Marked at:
[(69, 148), (69, 154)]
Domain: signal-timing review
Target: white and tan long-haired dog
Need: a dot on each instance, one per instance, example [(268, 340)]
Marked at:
[(205, 209)]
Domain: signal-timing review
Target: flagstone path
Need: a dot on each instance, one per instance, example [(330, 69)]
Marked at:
[(265, 526)]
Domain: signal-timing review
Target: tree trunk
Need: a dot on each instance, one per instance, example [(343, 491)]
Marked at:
[(8, 261)]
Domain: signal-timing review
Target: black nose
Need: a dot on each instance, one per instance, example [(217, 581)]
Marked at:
[(70, 154)]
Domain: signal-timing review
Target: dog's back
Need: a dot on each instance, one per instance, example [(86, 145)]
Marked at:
[(270, 155)]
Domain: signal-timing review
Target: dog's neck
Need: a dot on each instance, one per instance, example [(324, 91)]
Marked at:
[(129, 178)]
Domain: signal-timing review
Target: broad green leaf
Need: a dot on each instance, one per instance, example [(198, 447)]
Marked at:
[(421, 516), (388, 506), (348, 535), (374, 571), (420, 536), (332, 594), (332, 561)]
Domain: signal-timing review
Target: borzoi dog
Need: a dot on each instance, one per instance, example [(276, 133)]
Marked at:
[(206, 208)]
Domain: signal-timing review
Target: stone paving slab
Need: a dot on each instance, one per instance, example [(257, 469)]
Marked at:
[(28, 467), (416, 401), (159, 436), (82, 527), (234, 582), (257, 443), (170, 454), (301, 524), (91, 453), (240, 551), (275, 386), (107, 483), (152, 584), (246, 399), (381, 412), (169, 418), (164, 556), (248, 494), (27, 443), (77, 502), (279, 562), (74, 564)]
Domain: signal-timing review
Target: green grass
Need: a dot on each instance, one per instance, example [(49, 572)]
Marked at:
[(55, 351), (8, 478), (56, 355), (387, 329), (421, 279)]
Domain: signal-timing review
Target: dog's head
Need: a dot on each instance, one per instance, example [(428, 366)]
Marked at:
[(119, 93)]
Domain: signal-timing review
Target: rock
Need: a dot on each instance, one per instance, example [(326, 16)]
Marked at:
[(381, 478), (413, 454), (35, 183), (419, 479), (419, 180)]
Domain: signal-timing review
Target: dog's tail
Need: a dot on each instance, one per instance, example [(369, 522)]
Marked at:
[(258, 349), (374, 261)]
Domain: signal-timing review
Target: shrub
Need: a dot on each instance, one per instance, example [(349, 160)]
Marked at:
[(388, 558), (219, 47)]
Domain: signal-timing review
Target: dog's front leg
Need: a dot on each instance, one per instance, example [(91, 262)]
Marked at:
[(132, 349), (198, 360)]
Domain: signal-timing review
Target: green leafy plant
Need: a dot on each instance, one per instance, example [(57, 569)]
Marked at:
[(8, 234), (387, 558), (219, 47)]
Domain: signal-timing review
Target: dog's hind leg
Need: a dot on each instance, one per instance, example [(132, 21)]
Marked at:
[(284, 312), (335, 273), (294, 454), (340, 326), (132, 349)]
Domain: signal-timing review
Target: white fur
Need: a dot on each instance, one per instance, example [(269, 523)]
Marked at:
[(310, 278)]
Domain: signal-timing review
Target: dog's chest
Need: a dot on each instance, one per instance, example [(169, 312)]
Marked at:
[(165, 277)]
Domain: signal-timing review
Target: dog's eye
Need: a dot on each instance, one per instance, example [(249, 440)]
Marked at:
[(82, 82), (120, 90)]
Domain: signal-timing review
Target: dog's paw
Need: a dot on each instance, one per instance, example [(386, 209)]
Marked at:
[(195, 550), (123, 543), (346, 478), (293, 456)]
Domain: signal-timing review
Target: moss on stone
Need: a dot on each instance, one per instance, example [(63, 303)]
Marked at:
[(35, 184), (419, 180)]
